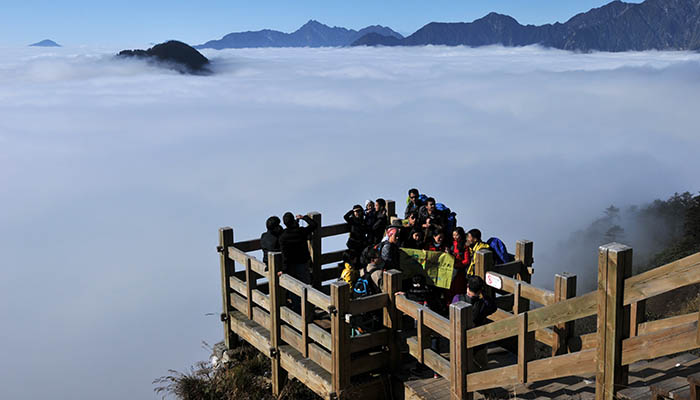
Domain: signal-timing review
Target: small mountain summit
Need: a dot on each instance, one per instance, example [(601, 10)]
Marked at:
[(45, 43), (174, 55)]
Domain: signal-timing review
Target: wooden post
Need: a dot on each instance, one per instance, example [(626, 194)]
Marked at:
[(306, 314), (227, 269), (423, 336), (564, 288), (315, 251), (277, 299), (516, 299), (523, 253), (251, 283), (392, 318), (614, 265), (461, 360), (483, 264), (340, 336), (526, 346), (390, 208), (638, 311)]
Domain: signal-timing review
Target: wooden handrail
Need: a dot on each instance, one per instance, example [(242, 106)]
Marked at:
[(683, 272), (528, 291)]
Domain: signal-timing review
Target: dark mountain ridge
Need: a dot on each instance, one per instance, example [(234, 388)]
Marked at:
[(311, 34), (173, 55), (45, 43), (616, 26)]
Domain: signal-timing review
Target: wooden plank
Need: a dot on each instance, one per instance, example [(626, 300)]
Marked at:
[(227, 268), (436, 322), (661, 324), (517, 294), (509, 269), (291, 284), (291, 337), (306, 315), (369, 303), (369, 340), (237, 255), (340, 336), (614, 265), (694, 382), (333, 230), (262, 318), (461, 358), (369, 362), (407, 306), (248, 245), (637, 316), (261, 299), (248, 331), (320, 336), (258, 266), (320, 356), (543, 335), (527, 291), (564, 288), (526, 346), (238, 285), (504, 377), (492, 332), (660, 343), (315, 250), (683, 272), (332, 257), (291, 318), (568, 310), (306, 371), (277, 298), (318, 298), (437, 363), (239, 303), (572, 364), (667, 386)]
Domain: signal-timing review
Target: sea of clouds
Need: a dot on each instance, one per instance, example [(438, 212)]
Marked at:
[(115, 176)]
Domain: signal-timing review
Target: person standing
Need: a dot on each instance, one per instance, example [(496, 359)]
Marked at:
[(270, 240)]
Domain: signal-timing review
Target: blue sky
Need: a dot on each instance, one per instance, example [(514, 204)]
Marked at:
[(81, 22)]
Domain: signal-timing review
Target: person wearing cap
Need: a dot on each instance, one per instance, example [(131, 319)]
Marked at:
[(389, 248), (358, 230)]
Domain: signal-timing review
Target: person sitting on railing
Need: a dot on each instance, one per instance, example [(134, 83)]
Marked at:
[(381, 221), (475, 244), (414, 202), (460, 251), (351, 270), (270, 240), (358, 231)]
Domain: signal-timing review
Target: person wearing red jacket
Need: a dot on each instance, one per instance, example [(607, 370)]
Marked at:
[(460, 251)]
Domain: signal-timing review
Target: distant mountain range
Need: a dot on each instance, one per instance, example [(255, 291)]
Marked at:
[(312, 34), (45, 43), (617, 26)]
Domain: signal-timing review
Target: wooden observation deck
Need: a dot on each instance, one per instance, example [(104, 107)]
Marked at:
[(315, 346)]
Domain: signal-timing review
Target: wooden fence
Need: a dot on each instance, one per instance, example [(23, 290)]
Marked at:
[(315, 345)]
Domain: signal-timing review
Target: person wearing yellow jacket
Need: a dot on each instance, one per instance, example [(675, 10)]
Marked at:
[(475, 244), (351, 270)]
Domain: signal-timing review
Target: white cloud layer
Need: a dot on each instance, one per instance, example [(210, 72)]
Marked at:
[(116, 175)]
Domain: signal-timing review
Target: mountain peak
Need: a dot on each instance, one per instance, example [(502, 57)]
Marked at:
[(45, 43)]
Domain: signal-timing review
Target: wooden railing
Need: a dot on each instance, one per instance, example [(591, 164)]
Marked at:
[(323, 355)]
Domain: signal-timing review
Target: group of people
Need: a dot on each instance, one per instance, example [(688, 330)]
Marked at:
[(373, 246)]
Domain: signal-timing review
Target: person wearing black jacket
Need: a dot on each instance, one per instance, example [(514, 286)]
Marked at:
[(381, 221), (295, 250), (358, 230), (414, 203), (270, 240), (483, 305)]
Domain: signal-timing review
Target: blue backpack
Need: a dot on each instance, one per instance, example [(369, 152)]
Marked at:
[(500, 253), (450, 217)]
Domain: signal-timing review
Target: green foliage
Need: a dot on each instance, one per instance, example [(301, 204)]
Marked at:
[(246, 377)]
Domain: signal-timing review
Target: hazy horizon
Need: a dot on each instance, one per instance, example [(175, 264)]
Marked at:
[(116, 176)]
